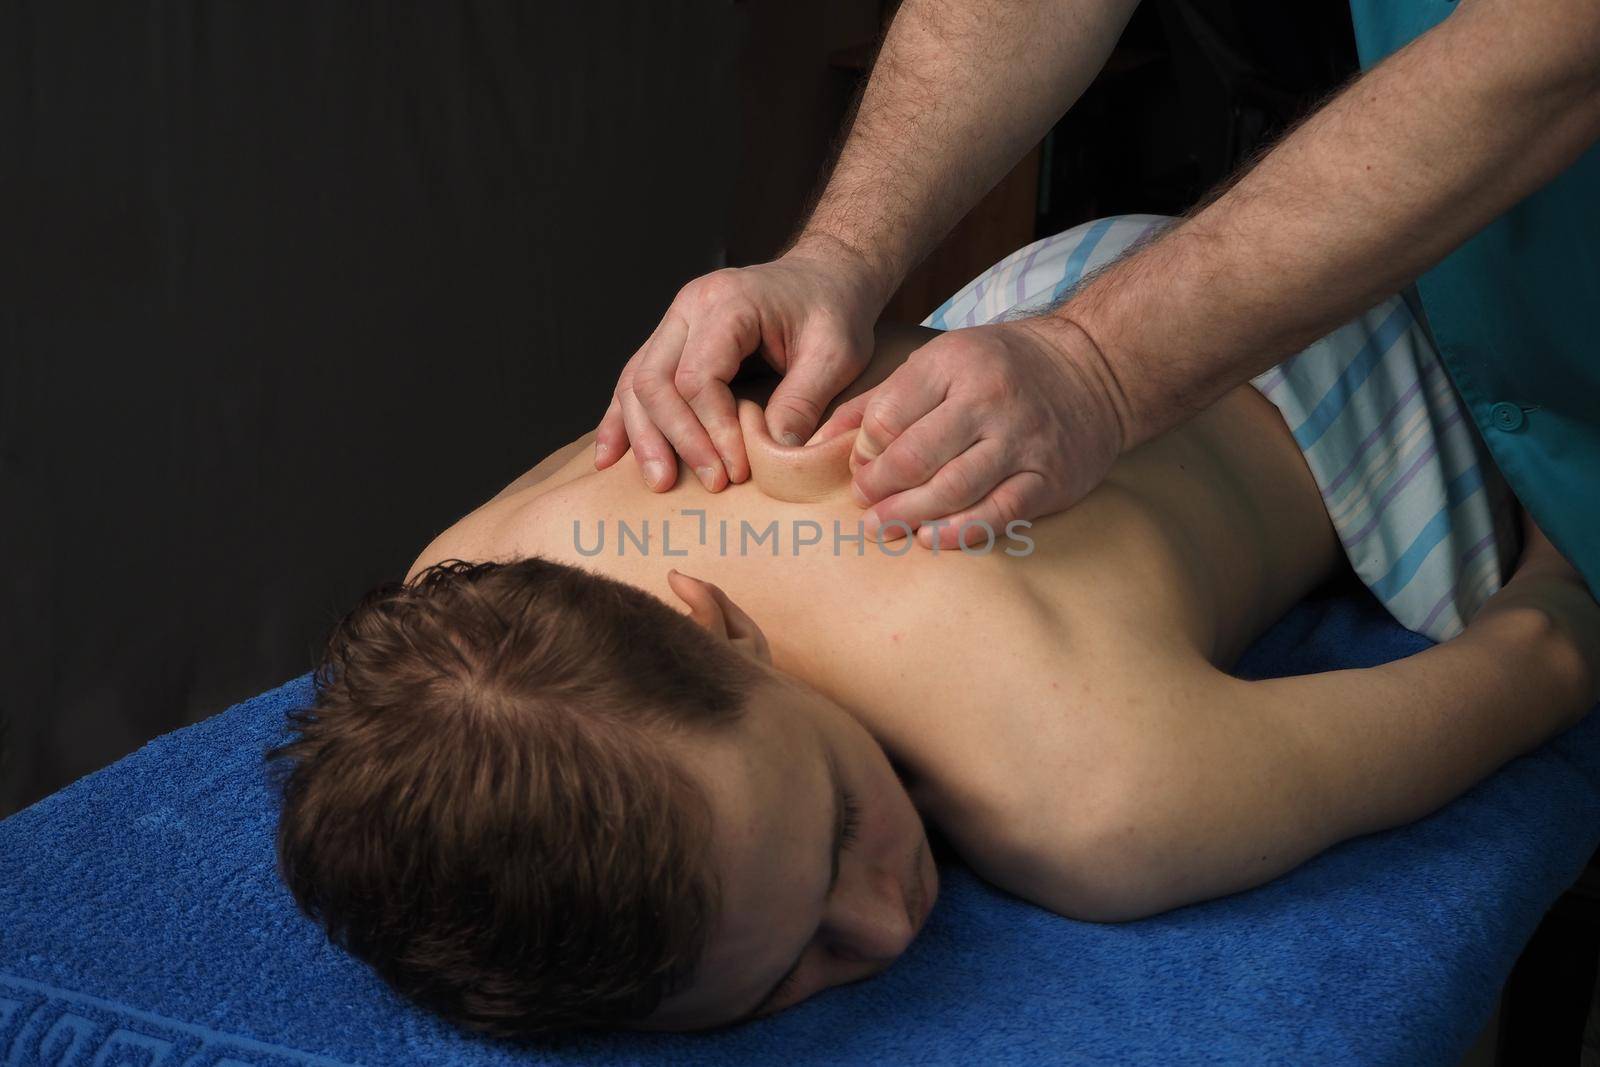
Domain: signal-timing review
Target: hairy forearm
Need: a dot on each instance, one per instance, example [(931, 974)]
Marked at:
[(1372, 190), (959, 92)]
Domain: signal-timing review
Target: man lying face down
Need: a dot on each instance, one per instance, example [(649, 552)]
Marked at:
[(565, 784)]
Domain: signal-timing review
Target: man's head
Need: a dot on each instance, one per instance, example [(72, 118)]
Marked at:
[(534, 798)]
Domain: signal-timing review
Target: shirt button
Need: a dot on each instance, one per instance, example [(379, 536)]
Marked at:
[(1506, 416)]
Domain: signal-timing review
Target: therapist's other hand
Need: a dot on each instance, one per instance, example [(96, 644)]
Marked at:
[(988, 424), (808, 314)]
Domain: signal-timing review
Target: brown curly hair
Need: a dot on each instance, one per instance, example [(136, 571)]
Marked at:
[(480, 802)]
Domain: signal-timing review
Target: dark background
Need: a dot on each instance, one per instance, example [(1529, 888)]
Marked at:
[(286, 288)]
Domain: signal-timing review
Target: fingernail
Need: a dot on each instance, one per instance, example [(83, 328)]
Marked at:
[(654, 471), (708, 477), (790, 438), (884, 531), (860, 497)]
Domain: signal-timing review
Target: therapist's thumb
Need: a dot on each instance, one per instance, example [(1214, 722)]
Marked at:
[(796, 405)]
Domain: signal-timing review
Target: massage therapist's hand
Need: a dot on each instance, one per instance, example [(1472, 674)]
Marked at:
[(810, 315), (992, 423)]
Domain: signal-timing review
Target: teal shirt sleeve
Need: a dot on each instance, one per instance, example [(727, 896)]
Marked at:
[(1515, 312)]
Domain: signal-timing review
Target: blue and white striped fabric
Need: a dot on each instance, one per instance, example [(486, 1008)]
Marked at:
[(1032, 277), (1425, 517)]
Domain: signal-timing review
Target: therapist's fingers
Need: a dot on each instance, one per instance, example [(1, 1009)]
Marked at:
[(814, 376), (611, 438), (927, 447), (897, 403), (845, 417), (656, 390), (954, 486), (654, 455), (713, 404), (716, 344), (989, 522)]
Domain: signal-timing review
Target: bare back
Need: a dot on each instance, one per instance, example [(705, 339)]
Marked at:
[(969, 668)]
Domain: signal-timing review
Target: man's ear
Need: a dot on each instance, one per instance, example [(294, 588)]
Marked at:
[(711, 608)]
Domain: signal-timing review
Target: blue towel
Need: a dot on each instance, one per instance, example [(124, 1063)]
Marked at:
[(141, 922)]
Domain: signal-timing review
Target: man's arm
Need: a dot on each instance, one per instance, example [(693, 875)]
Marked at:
[(1021, 418), (959, 92), (1400, 168), (1255, 777)]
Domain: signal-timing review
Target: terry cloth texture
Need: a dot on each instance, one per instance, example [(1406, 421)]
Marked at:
[(142, 922), (1425, 518)]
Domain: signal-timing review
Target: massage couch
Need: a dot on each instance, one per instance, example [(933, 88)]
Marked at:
[(142, 922)]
